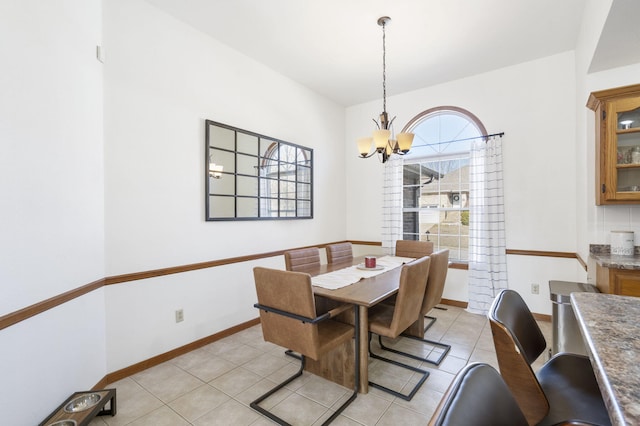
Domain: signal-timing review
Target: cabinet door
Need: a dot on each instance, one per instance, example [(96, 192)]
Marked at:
[(622, 179), (626, 283)]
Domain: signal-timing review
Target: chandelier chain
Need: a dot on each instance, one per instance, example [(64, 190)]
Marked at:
[(384, 68)]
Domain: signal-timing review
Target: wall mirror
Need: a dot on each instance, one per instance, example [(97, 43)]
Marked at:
[(255, 177)]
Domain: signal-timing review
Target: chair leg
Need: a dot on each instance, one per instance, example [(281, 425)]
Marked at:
[(292, 354), (409, 396), (302, 359), (447, 348), (432, 320)]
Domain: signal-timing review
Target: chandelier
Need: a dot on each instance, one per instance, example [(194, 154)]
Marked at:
[(383, 137)]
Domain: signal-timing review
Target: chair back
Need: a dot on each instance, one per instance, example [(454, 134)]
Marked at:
[(518, 342), (341, 252), (413, 281), (435, 283), (290, 292), (478, 396), (410, 248), (301, 259)]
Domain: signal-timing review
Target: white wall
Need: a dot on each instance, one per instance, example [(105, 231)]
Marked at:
[(51, 218), (162, 80), (533, 103), (596, 222)]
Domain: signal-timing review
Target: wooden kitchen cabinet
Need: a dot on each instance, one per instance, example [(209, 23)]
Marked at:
[(617, 144), (625, 282)]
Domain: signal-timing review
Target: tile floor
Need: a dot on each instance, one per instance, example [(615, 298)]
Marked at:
[(214, 385)]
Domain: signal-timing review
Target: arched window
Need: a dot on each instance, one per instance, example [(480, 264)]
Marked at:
[(436, 178)]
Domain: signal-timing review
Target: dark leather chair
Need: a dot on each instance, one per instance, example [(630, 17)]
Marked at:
[(391, 320), (564, 388), (339, 253), (478, 396), (298, 260), (288, 318), (433, 296)]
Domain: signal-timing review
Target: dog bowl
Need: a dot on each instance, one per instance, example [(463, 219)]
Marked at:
[(82, 402)]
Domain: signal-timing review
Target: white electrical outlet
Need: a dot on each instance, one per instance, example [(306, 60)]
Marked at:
[(535, 288), (179, 315)]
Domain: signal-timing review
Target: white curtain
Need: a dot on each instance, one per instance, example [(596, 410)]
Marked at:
[(392, 204), (487, 247)]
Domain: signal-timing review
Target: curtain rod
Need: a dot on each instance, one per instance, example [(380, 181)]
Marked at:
[(501, 134)]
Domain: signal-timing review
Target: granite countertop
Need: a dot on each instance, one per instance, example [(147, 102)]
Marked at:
[(609, 325), (602, 255)]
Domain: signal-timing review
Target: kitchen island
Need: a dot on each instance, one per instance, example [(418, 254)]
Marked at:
[(611, 331)]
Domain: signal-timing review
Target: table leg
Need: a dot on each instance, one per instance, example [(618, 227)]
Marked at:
[(363, 315)]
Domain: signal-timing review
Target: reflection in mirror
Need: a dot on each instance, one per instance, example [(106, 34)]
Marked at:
[(251, 176)]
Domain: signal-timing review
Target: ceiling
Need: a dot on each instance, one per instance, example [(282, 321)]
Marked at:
[(334, 47)]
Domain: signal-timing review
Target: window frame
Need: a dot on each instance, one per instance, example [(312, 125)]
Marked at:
[(421, 161)]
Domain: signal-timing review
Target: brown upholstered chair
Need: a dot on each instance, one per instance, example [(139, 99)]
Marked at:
[(563, 389), (478, 396), (433, 296), (435, 285), (410, 248), (298, 260), (341, 252), (391, 321), (288, 318)]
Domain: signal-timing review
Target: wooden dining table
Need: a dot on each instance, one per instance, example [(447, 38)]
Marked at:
[(363, 295)]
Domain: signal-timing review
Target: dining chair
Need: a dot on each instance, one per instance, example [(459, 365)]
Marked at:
[(298, 260), (391, 320), (340, 252), (478, 396), (288, 318), (563, 389), (432, 296), (412, 248)]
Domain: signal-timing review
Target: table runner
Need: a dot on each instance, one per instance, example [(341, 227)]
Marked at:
[(352, 274)]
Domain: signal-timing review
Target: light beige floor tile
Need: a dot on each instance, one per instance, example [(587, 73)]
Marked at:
[(133, 401), (222, 346), (198, 402), (265, 364), (169, 387), (397, 415), (256, 391), (366, 409), (452, 364), (229, 413), (298, 410), (424, 401), (211, 368), (163, 416), (235, 381), (322, 391), (191, 359), (241, 354)]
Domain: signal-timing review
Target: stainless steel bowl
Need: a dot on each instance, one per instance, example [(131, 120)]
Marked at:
[(82, 402), (63, 423)]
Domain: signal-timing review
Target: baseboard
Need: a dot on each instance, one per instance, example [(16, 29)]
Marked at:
[(463, 305), (159, 359)]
